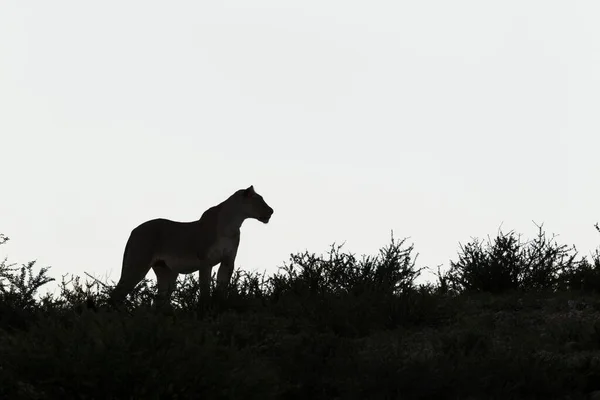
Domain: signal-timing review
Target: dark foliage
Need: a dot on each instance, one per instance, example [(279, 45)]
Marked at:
[(507, 264), (507, 320)]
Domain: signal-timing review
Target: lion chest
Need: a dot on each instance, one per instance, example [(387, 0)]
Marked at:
[(219, 249)]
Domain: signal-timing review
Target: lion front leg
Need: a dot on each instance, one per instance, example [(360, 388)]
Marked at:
[(224, 277), (205, 277)]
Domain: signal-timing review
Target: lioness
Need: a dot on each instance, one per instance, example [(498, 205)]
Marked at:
[(171, 248)]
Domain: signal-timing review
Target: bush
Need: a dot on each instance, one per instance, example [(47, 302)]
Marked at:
[(585, 275), (324, 326), (507, 264), (391, 272)]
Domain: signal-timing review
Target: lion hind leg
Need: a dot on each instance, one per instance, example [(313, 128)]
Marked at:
[(165, 281), (131, 275)]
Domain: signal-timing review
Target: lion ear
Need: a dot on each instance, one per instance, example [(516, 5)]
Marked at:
[(249, 192)]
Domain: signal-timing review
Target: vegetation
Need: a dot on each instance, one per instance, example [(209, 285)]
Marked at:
[(508, 319)]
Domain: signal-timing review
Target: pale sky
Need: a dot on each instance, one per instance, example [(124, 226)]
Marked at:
[(439, 120)]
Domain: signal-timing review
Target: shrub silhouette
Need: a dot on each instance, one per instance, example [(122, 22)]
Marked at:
[(392, 271), (349, 295), (493, 269), (18, 289), (583, 276), (506, 264), (325, 326)]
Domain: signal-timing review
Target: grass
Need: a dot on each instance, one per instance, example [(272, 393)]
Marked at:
[(331, 326)]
